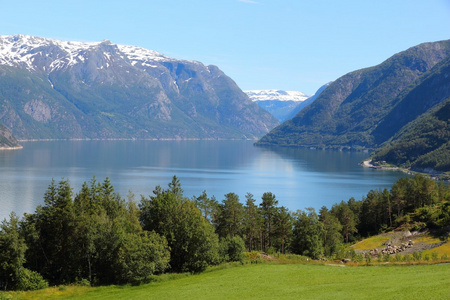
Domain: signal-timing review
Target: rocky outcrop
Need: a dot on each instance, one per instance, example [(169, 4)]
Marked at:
[(391, 249)]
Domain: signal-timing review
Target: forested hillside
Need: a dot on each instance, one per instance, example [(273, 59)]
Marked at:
[(423, 145), (365, 108)]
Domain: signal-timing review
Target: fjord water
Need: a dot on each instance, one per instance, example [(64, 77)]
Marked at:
[(299, 178)]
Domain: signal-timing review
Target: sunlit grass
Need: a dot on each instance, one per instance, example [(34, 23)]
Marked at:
[(279, 281), (427, 240), (48, 293), (371, 243), (443, 249)]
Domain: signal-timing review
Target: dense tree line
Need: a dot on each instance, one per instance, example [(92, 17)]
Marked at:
[(98, 237)]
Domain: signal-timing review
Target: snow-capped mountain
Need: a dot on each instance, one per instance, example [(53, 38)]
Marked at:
[(276, 95), (62, 89), (42, 54), (279, 103)]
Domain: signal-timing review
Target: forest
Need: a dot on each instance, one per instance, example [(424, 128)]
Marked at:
[(97, 237)]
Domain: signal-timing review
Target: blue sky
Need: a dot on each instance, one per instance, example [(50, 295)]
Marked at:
[(261, 44)]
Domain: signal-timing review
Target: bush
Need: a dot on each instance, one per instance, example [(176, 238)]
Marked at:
[(253, 257), (434, 256), (417, 256), (29, 281), (232, 249), (84, 282)]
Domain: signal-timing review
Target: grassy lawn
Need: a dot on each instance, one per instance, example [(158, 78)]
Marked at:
[(278, 281)]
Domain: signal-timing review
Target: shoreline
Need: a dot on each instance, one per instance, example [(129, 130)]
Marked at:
[(436, 176), (368, 164), (11, 148), (134, 139)]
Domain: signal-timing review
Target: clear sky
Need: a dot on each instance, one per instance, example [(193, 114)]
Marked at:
[(261, 44)]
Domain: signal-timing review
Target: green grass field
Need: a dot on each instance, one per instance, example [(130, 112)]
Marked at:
[(277, 281)]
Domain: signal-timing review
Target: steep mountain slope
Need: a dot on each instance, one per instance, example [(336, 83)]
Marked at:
[(280, 104), (58, 89), (7, 140), (307, 102), (356, 111), (423, 144)]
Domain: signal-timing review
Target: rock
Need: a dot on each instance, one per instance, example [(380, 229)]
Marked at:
[(406, 233)]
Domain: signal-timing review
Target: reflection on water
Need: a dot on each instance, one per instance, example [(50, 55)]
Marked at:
[(298, 177)]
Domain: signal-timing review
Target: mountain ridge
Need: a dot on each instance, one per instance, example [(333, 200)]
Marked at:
[(347, 113), (56, 89), (279, 103)]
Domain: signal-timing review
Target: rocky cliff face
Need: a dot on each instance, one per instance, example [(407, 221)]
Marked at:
[(57, 89)]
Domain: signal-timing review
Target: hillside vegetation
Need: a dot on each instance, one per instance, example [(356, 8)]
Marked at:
[(7, 140), (373, 107), (423, 144)]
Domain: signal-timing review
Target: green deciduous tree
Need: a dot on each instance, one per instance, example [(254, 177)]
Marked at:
[(307, 234), (332, 237), (230, 219), (191, 238), (347, 218), (140, 256)]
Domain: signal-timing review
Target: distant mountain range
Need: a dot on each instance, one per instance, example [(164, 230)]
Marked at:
[(379, 106), (53, 89), (283, 105), (278, 102)]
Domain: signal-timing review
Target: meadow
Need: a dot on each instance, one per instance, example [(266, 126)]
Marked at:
[(274, 281)]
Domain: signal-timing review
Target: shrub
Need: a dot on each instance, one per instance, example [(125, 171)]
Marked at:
[(253, 257), (417, 256), (434, 256), (232, 249), (380, 257), (84, 282), (30, 280)]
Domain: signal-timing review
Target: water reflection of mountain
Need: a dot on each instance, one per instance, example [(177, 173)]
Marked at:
[(327, 161)]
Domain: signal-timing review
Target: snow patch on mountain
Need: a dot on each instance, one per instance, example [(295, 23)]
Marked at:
[(276, 95), (33, 53)]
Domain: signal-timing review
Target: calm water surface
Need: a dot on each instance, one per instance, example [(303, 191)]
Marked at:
[(299, 178)]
